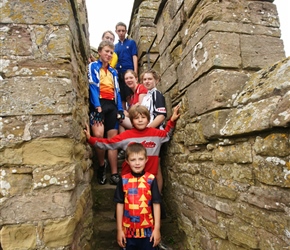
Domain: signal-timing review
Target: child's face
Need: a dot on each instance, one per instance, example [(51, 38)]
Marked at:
[(108, 37), (140, 121), (137, 162), (106, 54), (149, 81), (130, 80), (121, 32)]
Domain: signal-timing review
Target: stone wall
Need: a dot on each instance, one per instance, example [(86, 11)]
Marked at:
[(227, 167), (45, 198)]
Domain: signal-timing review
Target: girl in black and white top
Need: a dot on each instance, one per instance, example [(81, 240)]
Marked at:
[(154, 99)]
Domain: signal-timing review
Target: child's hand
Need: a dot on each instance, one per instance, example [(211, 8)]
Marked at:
[(121, 239), (175, 114), (155, 237), (87, 131)]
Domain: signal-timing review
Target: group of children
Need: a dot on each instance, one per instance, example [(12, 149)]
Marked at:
[(132, 121)]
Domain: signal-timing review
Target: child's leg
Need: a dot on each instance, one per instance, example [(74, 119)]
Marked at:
[(98, 131), (113, 154), (126, 123)]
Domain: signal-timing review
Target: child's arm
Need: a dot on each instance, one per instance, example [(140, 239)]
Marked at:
[(156, 235), (121, 239), (157, 121), (117, 141)]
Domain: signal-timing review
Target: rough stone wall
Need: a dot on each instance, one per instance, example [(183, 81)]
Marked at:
[(45, 198), (227, 167), (143, 30)]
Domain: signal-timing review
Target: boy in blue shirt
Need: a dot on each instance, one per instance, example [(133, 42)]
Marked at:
[(127, 52)]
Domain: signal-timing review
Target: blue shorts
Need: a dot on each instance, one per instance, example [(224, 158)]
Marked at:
[(139, 244)]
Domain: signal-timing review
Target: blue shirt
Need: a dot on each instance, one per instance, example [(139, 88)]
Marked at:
[(94, 87), (125, 51)]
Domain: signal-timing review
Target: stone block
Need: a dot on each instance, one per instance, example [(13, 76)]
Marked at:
[(272, 170), (201, 156), (48, 152), (271, 81), (250, 118), (212, 123), (14, 183), (52, 126), (220, 205), (258, 52), (11, 156), (171, 31), (236, 175), (169, 78), (219, 229), (22, 236), (15, 41), (281, 117), (64, 177), (189, 6), (59, 43), (215, 50), (166, 61), (36, 207), (270, 241), (237, 153), (199, 208), (59, 233), (274, 144), (275, 223), (51, 96), (272, 199), (147, 13), (18, 129), (32, 12), (196, 132), (243, 234), (217, 89)]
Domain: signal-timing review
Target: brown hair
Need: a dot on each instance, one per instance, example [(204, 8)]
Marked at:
[(156, 75), (132, 72), (110, 32), (121, 24), (138, 109), (136, 148), (105, 43)]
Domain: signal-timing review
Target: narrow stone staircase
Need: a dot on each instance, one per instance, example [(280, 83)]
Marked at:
[(104, 235)]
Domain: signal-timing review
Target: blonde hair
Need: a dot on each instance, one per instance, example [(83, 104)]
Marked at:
[(105, 43), (110, 32)]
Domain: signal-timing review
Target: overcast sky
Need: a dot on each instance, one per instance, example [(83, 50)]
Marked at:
[(120, 11)]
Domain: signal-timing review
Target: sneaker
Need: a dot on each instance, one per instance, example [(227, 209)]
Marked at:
[(115, 178), (121, 155), (162, 246), (101, 174)]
